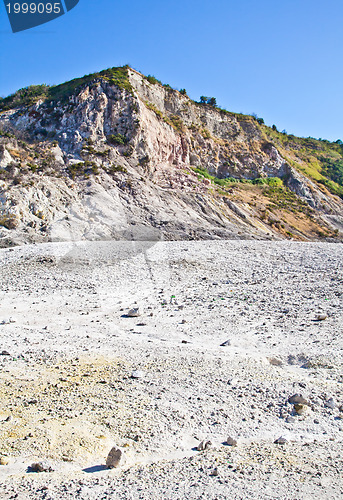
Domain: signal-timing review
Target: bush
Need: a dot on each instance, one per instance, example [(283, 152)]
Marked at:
[(118, 139), (269, 181), (116, 168), (212, 101), (144, 161), (83, 169), (273, 182), (151, 79), (333, 169)]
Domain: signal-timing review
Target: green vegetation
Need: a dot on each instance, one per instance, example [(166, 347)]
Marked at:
[(153, 80), (113, 169), (114, 76), (274, 182), (153, 108), (283, 198), (333, 169), (332, 187), (24, 97), (30, 95), (144, 161), (174, 121), (84, 169), (211, 101), (6, 134), (321, 160), (117, 139)]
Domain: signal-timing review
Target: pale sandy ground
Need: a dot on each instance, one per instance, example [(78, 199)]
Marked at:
[(66, 382)]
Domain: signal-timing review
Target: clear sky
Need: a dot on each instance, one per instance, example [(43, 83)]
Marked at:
[(280, 59)]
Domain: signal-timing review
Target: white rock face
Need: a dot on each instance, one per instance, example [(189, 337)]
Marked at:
[(5, 158)]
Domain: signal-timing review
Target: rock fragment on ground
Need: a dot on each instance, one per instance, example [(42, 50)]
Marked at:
[(43, 466), (297, 399), (138, 374), (330, 403), (231, 442), (204, 445), (115, 458), (226, 343), (134, 313), (321, 317), (281, 440)]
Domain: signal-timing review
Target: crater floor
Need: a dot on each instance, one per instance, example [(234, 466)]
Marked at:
[(78, 374)]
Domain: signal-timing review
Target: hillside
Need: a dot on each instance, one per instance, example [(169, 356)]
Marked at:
[(118, 155)]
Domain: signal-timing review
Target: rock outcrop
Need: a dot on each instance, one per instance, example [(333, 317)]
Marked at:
[(106, 160)]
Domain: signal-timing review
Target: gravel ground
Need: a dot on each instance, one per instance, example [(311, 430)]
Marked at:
[(79, 375)]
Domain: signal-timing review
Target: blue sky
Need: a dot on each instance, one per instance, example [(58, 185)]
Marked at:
[(280, 59)]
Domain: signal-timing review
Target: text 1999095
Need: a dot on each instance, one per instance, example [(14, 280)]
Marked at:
[(34, 8)]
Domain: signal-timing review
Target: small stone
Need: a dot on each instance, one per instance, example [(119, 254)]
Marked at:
[(300, 409), (330, 403), (280, 440), (226, 343), (275, 361), (115, 458), (215, 472), (204, 445), (134, 313), (297, 399), (290, 420), (231, 442), (7, 321), (9, 418), (41, 467), (137, 374), (321, 317), (4, 460), (183, 322), (5, 353)]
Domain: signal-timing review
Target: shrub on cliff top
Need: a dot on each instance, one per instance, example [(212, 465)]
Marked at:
[(29, 95)]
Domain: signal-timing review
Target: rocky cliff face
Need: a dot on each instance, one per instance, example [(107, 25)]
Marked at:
[(108, 161)]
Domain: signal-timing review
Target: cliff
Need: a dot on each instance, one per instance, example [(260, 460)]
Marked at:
[(119, 155)]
